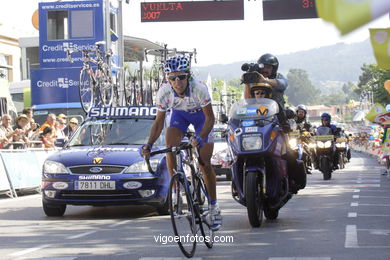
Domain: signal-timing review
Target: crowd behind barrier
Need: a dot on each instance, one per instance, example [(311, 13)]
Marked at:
[(24, 145)]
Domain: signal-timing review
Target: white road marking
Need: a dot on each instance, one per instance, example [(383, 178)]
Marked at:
[(29, 250), (352, 214), (355, 196), (119, 223), (354, 204), (168, 258), (300, 258), (357, 190), (81, 235), (351, 240)]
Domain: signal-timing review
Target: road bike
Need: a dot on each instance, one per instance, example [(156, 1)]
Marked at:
[(95, 86), (187, 195)]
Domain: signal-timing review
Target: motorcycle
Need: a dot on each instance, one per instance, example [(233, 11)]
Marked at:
[(260, 179), (342, 149), (325, 151), (299, 144)]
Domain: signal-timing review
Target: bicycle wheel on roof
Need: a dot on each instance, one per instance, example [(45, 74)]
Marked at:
[(86, 90)]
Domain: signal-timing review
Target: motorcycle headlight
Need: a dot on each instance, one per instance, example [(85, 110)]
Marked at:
[(252, 142), (293, 142), (320, 144), (312, 145), (343, 144), (52, 167), (327, 144), (142, 167)]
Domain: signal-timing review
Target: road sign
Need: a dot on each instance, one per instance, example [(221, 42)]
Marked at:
[(192, 11)]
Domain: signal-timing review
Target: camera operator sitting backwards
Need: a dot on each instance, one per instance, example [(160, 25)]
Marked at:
[(265, 71)]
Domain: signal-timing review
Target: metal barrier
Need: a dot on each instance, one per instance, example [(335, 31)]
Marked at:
[(21, 169)]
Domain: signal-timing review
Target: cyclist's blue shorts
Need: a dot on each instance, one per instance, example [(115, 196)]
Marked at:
[(182, 119)]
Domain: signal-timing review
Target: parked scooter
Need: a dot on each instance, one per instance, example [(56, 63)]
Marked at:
[(325, 151), (260, 179)]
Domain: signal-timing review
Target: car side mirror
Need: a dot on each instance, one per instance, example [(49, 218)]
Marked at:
[(290, 114), (223, 118), (60, 142)]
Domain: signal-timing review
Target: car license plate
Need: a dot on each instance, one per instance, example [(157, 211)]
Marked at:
[(95, 185)]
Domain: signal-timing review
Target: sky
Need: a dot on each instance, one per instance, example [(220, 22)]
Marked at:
[(217, 42)]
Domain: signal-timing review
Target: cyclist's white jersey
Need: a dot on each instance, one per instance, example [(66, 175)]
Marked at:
[(197, 96)]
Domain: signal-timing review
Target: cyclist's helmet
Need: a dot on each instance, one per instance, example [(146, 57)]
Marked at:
[(262, 86), (177, 63), (326, 116), (269, 59), (301, 107)]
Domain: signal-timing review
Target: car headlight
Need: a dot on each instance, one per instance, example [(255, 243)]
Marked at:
[(327, 144), (52, 167), (142, 167), (252, 142), (320, 144), (293, 142)]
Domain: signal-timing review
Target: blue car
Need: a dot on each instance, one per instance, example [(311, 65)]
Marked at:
[(101, 165)]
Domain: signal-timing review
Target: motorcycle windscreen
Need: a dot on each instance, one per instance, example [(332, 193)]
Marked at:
[(254, 108), (324, 130)]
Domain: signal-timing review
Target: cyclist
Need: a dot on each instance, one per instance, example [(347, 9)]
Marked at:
[(190, 103)]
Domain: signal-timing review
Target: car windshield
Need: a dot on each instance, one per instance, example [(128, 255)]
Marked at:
[(254, 108), (114, 132)]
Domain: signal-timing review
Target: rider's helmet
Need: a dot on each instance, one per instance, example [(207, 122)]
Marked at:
[(269, 59), (177, 63), (262, 86), (302, 107), (326, 116)]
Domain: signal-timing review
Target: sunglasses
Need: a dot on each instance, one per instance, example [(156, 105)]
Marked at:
[(260, 92), (180, 77)]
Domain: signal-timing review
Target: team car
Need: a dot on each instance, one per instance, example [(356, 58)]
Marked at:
[(101, 165)]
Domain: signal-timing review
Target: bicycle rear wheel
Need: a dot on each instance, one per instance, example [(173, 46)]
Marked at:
[(182, 215), (86, 90)]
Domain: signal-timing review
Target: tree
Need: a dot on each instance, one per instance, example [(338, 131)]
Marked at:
[(373, 79), (349, 91), (300, 90)]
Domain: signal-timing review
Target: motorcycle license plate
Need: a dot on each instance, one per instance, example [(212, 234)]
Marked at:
[(95, 185)]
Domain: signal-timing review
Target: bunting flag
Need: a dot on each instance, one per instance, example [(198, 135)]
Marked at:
[(349, 15), (378, 114), (380, 41)]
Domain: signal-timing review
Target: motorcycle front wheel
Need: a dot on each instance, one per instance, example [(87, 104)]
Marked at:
[(254, 198), (326, 168)]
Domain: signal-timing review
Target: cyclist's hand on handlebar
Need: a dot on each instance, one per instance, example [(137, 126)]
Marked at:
[(145, 151), (197, 141)]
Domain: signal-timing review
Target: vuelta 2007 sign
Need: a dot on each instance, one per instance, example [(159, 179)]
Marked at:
[(192, 11)]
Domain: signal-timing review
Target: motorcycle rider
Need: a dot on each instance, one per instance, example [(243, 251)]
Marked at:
[(269, 65), (301, 119), (326, 122)]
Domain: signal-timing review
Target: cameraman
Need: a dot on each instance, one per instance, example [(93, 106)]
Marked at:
[(267, 73)]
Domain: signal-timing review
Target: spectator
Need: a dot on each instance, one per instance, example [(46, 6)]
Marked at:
[(21, 123), (60, 126), (62, 116), (31, 127), (47, 137), (50, 122), (386, 148), (72, 126), (6, 131)]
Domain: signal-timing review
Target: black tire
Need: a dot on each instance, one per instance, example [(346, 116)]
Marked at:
[(254, 199), (229, 176), (54, 210), (164, 209), (271, 213), (182, 215), (204, 224), (326, 168), (86, 93), (341, 161)]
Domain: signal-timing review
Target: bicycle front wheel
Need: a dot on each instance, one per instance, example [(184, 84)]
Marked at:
[(86, 90), (204, 214), (182, 215)]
